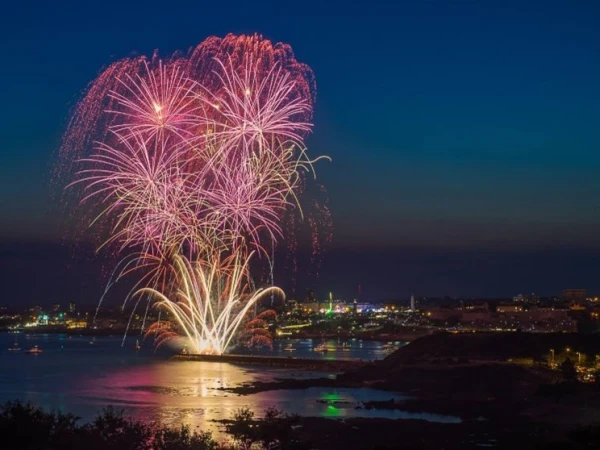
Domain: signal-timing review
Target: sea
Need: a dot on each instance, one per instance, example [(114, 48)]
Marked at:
[(83, 375)]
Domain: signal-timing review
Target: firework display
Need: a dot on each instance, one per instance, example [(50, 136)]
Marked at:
[(187, 169)]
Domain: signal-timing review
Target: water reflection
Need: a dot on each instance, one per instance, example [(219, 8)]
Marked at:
[(334, 348), (74, 376)]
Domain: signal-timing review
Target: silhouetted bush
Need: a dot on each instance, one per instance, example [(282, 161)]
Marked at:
[(588, 436), (243, 428), (275, 431), (24, 426), (182, 439)]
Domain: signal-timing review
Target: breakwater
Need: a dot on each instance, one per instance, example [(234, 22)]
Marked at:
[(337, 365)]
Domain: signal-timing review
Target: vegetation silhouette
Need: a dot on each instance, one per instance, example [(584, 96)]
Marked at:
[(25, 426)]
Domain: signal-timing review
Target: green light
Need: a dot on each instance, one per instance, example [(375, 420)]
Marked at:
[(332, 396), (332, 411)]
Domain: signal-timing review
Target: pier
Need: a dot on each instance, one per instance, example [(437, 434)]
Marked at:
[(337, 365)]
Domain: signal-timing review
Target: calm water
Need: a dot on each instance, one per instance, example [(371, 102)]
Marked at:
[(336, 349), (83, 374)]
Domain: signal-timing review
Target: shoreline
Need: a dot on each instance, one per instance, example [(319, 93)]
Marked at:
[(403, 337), (407, 336), (336, 365), (75, 331)]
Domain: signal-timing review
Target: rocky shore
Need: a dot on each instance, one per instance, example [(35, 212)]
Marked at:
[(498, 402)]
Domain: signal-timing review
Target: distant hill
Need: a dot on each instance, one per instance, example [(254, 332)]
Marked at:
[(494, 346)]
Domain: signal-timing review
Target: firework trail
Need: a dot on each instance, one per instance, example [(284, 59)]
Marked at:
[(185, 169), (213, 299)]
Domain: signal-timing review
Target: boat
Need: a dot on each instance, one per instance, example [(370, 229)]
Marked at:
[(15, 347), (321, 348), (34, 350), (389, 348), (289, 348)]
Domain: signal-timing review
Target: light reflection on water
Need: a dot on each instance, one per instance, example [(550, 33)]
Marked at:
[(82, 376)]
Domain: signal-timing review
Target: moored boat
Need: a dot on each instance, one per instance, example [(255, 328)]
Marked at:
[(34, 350), (321, 348), (15, 347)]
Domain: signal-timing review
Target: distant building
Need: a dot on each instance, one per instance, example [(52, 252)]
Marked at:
[(55, 307), (531, 299), (442, 313), (574, 297), (291, 304), (474, 312), (77, 324), (311, 299), (42, 319), (72, 307), (509, 308), (413, 306)]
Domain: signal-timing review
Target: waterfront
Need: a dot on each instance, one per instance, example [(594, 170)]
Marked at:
[(82, 375)]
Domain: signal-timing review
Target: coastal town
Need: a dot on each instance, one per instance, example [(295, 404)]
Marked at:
[(398, 322), (571, 312)]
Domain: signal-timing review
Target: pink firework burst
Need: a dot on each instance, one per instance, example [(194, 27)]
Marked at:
[(195, 161), (157, 103), (254, 109)]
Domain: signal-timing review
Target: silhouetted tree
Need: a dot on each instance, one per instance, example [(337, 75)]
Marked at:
[(166, 438), (112, 430), (28, 427), (276, 431), (243, 428), (588, 436), (567, 368)]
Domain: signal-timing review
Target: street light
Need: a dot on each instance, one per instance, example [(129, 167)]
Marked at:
[(579, 358), (552, 353)]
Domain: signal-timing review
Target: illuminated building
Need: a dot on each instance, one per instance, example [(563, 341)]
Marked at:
[(77, 324), (509, 308), (42, 319)]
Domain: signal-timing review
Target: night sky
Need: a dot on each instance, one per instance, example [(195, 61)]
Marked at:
[(464, 136)]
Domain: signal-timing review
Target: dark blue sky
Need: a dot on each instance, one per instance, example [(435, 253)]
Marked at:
[(464, 134)]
